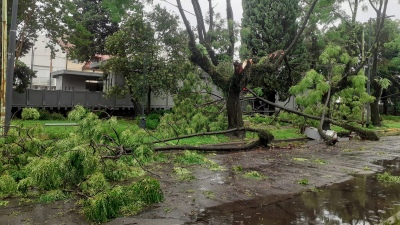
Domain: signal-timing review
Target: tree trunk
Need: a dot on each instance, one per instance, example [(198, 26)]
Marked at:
[(326, 125), (271, 96), (233, 106), (137, 108), (375, 116), (385, 103), (148, 100)]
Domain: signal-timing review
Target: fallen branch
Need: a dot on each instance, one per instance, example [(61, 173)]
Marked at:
[(365, 134), (249, 146), (196, 135), (265, 137)]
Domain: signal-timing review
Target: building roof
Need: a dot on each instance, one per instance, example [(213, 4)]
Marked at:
[(88, 75)]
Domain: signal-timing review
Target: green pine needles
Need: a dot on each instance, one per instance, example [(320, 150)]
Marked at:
[(123, 200), (348, 95), (88, 164)]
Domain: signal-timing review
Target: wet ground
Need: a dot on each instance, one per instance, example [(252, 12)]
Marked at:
[(227, 197), (361, 200)]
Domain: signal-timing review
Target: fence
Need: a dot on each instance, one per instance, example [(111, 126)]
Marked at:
[(67, 99)]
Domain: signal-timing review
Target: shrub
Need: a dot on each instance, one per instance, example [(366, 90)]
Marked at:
[(46, 115), (78, 113), (152, 121), (30, 114), (7, 186)]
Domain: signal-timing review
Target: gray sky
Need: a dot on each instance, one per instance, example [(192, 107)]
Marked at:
[(393, 9), (220, 6)]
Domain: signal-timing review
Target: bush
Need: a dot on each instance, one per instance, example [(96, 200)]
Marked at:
[(30, 114), (152, 121), (78, 113), (46, 115)]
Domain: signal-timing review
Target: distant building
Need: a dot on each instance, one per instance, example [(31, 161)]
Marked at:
[(38, 58)]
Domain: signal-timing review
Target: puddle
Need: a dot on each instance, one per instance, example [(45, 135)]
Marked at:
[(361, 200)]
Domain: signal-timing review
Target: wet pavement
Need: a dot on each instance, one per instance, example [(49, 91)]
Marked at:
[(359, 201), (226, 197)]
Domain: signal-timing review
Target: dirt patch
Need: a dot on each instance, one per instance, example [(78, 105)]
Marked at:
[(288, 170)]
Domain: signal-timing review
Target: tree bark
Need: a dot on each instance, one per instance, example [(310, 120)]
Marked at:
[(385, 103), (265, 137), (148, 101), (233, 106), (380, 20), (375, 115)]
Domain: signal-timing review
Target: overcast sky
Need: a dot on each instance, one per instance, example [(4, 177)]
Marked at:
[(220, 6)]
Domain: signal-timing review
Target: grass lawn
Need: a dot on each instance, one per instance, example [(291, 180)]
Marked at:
[(287, 133), (283, 132)]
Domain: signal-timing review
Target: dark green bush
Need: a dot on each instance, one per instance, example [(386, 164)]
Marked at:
[(153, 119), (46, 115)]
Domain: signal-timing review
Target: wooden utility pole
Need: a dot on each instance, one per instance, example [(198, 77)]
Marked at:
[(3, 79)]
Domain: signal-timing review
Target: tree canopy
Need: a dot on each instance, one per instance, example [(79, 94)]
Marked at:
[(148, 52)]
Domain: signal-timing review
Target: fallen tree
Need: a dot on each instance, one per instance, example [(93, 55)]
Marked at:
[(265, 137), (363, 133)]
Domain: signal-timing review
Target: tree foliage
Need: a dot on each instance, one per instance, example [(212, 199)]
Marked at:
[(195, 109), (87, 163), (347, 101), (89, 24), (22, 76), (268, 26), (149, 53)]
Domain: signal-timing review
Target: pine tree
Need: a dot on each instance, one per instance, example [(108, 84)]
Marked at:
[(268, 25)]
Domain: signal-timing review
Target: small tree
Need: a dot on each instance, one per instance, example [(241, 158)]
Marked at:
[(149, 53), (22, 76)]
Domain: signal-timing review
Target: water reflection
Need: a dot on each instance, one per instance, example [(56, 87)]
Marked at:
[(362, 200)]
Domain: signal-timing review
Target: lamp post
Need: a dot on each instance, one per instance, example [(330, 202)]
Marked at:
[(367, 122)]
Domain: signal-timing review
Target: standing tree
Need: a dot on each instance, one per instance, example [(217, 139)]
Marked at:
[(389, 64), (148, 53), (33, 17), (379, 7), (270, 26), (90, 23), (230, 80)]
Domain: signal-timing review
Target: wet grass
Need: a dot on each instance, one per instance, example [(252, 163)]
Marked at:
[(254, 175)]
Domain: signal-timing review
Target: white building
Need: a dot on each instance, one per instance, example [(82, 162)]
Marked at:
[(39, 58)]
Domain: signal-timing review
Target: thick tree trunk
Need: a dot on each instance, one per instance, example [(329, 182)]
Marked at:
[(375, 116), (271, 96), (234, 110)]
